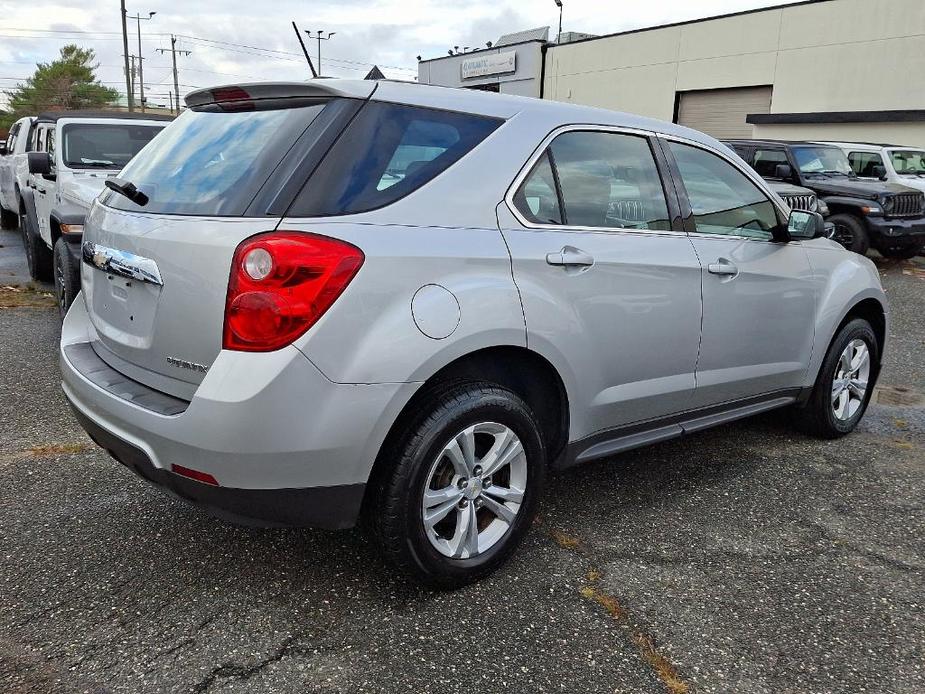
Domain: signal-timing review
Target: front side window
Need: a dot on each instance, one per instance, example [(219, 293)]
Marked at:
[(863, 163), (724, 201), (50, 146), (822, 160), (908, 162), (104, 146), (767, 161), (11, 140), (388, 151)]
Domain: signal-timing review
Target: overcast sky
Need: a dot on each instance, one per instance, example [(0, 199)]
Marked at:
[(239, 40)]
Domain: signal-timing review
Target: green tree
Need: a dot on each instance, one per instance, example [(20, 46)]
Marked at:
[(65, 84)]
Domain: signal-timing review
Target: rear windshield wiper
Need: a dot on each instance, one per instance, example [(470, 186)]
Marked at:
[(128, 189)]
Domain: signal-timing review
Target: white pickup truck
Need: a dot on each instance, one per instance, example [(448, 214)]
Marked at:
[(73, 155), (13, 170)]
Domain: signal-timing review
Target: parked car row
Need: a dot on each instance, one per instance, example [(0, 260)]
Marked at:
[(307, 303), (871, 194), (53, 167)]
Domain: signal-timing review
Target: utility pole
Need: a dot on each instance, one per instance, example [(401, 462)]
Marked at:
[(131, 83), (320, 39), (141, 69), (173, 56), (128, 78)]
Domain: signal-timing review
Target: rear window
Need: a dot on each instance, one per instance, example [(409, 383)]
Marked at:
[(105, 146), (388, 151), (213, 162)]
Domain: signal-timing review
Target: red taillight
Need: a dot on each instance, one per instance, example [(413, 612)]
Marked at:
[(281, 283)]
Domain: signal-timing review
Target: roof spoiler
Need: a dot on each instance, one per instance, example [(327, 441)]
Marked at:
[(356, 89)]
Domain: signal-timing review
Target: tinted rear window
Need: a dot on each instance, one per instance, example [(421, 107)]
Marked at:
[(213, 162), (388, 151), (106, 146)]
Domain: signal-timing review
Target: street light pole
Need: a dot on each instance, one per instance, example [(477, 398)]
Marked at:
[(141, 71), (559, 4)]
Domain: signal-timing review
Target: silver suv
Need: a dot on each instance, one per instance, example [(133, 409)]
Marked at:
[(308, 303)]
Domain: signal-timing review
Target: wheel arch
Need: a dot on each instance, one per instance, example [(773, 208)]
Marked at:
[(525, 372)]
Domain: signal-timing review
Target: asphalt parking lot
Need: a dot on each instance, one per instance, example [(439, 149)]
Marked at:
[(743, 559)]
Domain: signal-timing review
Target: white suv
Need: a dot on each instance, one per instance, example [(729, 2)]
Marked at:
[(72, 155), (904, 165)]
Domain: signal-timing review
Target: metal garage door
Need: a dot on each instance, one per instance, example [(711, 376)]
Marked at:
[(721, 112)]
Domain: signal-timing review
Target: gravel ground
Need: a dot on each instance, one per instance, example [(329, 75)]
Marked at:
[(743, 559)]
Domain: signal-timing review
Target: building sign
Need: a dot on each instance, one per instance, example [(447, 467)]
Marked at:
[(493, 64)]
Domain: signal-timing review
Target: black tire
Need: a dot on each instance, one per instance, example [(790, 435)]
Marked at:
[(817, 416), (8, 219), (67, 277), (395, 514), (850, 233), (901, 252), (38, 255)]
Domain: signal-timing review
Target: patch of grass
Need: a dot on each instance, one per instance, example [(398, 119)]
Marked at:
[(593, 576), (905, 445), (59, 449), (564, 540), (27, 296), (663, 668)]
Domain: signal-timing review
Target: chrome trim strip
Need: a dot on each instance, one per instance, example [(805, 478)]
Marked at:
[(121, 263)]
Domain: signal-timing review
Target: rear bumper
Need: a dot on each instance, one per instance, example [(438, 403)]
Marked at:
[(320, 507), (286, 445), (897, 232)]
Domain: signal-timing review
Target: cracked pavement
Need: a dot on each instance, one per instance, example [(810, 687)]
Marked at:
[(744, 559)]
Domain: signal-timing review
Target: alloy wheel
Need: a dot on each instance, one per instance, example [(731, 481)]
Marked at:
[(852, 375), (475, 488)]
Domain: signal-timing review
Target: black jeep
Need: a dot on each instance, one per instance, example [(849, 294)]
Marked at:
[(887, 216)]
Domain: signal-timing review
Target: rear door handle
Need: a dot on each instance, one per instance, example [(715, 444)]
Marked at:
[(722, 267), (569, 256)]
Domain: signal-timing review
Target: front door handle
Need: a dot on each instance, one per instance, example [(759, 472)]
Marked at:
[(569, 256), (722, 267)]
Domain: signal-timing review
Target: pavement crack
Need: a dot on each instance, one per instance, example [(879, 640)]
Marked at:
[(245, 672), (644, 642)]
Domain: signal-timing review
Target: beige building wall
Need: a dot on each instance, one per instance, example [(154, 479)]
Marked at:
[(831, 55)]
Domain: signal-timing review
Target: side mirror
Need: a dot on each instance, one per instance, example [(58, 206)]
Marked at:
[(3, 150), (39, 163), (879, 171), (783, 171), (805, 225)]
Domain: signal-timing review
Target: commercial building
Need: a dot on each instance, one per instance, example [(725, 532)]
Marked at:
[(825, 69), (511, 65)]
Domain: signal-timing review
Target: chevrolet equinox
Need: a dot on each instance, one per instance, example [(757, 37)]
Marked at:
[(312, 303)]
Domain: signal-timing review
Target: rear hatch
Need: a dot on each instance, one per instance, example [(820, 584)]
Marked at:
[(155, 275)]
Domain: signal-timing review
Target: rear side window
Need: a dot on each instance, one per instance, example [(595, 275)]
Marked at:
[(604, 180), (213, 162), (388, 151)]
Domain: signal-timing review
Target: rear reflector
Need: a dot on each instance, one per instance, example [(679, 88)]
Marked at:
[(281, 283), (203, 477)]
